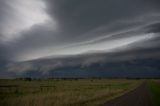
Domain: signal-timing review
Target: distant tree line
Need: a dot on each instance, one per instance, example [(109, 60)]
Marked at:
[(25, 79), (30, 79)]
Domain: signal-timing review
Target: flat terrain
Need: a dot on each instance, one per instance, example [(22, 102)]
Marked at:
[(82, 92), (138, 97)]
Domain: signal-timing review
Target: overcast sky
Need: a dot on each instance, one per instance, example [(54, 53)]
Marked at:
[(32, 29)]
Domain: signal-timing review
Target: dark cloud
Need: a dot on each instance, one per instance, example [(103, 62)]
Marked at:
[(81, 27), (4, 55), (77, 17), (154, 28)]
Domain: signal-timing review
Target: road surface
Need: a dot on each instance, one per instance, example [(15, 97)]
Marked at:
[(138, 97)]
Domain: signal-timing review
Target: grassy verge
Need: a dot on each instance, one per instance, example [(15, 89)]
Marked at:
[(103, 99), (155, 91)]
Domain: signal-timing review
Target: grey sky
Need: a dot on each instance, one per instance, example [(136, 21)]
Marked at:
[(32, 29)]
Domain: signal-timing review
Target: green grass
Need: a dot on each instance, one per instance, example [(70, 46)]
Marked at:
[(62, 92), (155, 90)]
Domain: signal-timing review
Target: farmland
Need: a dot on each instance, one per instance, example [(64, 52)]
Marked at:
[(86, 92)]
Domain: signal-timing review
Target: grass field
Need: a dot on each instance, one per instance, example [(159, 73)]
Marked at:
[(62, 92), (155, 91)]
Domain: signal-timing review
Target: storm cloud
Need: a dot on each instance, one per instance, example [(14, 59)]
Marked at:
[(61, 30)]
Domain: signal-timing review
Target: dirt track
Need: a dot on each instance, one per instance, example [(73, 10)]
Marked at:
[(138, 97)]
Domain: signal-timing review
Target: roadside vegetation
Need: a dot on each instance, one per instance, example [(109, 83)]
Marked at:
[(86, 92), (154, 87)]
